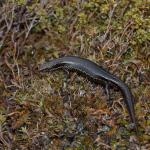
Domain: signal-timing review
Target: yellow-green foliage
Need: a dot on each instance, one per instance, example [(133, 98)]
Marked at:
[(97, 14)]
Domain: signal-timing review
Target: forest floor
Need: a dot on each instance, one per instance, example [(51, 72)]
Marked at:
[(64, 111)]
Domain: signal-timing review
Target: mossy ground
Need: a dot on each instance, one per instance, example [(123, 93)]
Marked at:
[(61, 110)]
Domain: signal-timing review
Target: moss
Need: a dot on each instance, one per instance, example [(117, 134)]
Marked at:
[(68, 108)]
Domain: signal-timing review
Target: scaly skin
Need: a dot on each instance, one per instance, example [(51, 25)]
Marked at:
[(95, 73)]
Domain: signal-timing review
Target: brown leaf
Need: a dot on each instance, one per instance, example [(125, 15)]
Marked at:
[(23, 117)]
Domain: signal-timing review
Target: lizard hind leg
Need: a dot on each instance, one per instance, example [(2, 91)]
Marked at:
[(108, 93)]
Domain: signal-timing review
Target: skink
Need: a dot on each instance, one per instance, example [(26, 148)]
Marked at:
[(95, 73)]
